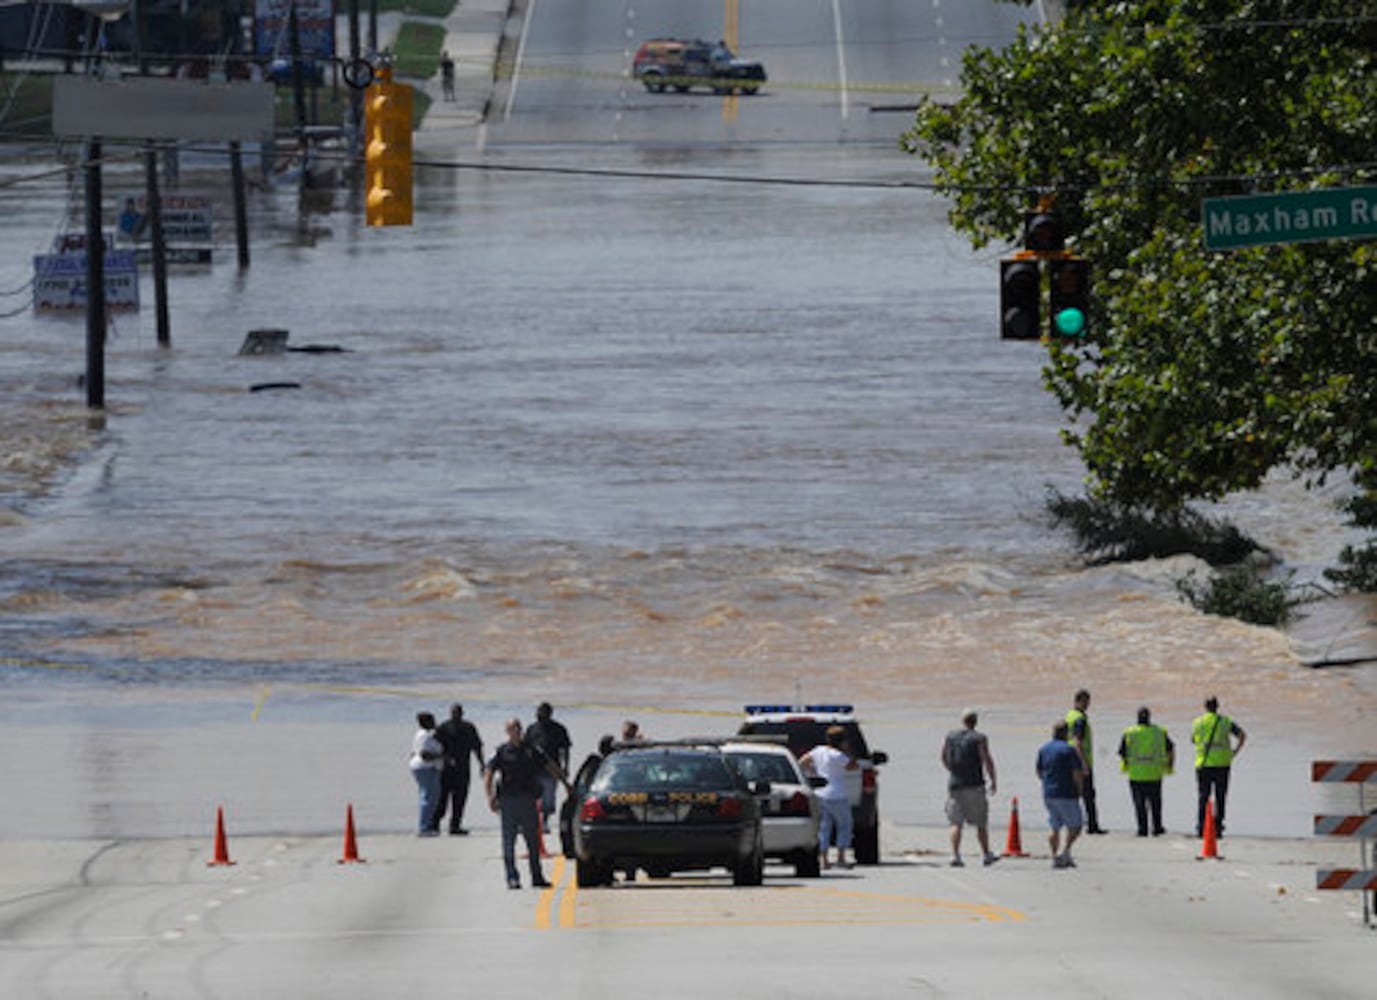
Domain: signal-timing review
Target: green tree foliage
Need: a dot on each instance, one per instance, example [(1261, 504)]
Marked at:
[(1203, 370)]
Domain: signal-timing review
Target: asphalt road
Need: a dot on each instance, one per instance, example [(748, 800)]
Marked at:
[(288, 919)]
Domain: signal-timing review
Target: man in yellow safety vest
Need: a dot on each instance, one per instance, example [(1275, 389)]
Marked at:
[(1145, 754), (1078, 722), (1214, 754)]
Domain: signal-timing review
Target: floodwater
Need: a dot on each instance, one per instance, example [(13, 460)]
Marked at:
[(632, 445)]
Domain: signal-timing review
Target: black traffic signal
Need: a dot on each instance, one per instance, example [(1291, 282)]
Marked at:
[(1069, 312), (1020, 299), (1043, 231)]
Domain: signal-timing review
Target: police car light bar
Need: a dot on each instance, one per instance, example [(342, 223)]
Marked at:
[(778, 709)]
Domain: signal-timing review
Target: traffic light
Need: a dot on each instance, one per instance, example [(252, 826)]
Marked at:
[(1020, 299), (387, 157), (1069, 312), (1043, 231)]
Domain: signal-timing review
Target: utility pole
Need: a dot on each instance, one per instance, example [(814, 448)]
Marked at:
[(158, 247), (95, 281)]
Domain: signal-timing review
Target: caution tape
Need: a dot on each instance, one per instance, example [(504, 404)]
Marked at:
[(1343, 770), (1346, 826), (1346, 878)]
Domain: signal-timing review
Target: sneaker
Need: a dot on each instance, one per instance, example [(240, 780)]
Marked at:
[(1068, 861), (957, 863), (1059, 862), (513, 883), (1099, 831), (539, 883), (991, 859), (459, 831)]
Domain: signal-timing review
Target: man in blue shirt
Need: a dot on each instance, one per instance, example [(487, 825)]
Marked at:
[(1061, 769)]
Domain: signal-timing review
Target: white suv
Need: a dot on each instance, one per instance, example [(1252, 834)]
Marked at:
[(805, 727)]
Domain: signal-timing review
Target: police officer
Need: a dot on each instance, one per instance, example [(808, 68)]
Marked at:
[(1145, 754), (1078, 723), (511, 781), (1213, 735)]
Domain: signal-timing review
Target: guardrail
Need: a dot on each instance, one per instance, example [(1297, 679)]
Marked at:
[(1362, 827)]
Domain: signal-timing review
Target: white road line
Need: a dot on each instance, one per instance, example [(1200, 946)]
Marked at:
[(520, 54), (841, 61)]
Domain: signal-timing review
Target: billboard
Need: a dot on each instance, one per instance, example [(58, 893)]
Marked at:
[(315, 25)]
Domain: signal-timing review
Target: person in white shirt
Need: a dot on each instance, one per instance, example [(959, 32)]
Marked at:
[(426, 760), (830, 762)]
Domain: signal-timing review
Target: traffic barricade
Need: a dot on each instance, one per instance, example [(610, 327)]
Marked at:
[(1362, 827)]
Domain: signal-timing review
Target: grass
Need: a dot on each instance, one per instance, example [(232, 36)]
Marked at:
[(31, 112), (421, 8), (416, 52)]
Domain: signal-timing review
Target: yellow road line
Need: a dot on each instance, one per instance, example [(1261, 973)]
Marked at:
[(686, 904), (561, 879)]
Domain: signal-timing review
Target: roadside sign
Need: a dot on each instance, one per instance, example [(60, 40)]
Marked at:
[(59, 285), (1290, 217), (59, 278)]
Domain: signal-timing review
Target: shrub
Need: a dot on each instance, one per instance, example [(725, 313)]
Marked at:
[(1242, 593), (1108, 532)]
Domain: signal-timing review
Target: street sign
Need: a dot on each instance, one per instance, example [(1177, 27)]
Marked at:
[(1290, 217)]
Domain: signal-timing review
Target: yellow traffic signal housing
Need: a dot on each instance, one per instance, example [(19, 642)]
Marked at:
[(387, 157)]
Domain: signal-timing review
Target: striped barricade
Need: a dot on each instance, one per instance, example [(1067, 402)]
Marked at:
[(1346, 878), (1362, 827), (1343, 770)]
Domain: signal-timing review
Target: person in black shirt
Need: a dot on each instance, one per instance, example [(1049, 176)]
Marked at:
[(460, 740), (518, 765), (552, 739)]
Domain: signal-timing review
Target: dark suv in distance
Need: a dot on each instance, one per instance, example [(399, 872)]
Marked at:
[(805, 727), (665, 807), (663, 64)]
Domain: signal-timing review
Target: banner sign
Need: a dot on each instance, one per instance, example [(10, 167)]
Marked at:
[(315, 26), (59, 284)]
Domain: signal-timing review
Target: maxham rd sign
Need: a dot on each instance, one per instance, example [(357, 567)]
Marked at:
[(1292, 217)]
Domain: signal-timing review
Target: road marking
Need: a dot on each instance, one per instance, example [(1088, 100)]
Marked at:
[(520, 54), (731, 34), (841, 61), (708, 902)]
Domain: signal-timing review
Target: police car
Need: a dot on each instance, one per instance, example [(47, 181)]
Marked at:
[(664, 806), (805, 727), (789, 809)]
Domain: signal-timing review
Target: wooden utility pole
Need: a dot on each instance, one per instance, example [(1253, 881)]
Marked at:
[(158, 244), (95, 281), (241, 213)]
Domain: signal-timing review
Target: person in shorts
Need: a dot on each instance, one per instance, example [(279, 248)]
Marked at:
[(966, 756), (1061, 769)]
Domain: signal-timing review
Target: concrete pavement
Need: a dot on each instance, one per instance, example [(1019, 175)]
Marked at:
[(150, 918)]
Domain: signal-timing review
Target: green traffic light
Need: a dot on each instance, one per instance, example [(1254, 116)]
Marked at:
[(1070, 322)]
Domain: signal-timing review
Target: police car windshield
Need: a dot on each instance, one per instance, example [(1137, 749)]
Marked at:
[(649, 772)]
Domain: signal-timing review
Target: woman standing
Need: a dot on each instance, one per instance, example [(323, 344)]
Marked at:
[(427, 758), (831, 762)]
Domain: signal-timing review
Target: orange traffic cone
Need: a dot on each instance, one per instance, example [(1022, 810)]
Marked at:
[(1013, 847), (351, 844), (221, 847), (1209, 847)]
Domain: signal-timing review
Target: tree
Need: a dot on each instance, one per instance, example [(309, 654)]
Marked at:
[(1203, 370)]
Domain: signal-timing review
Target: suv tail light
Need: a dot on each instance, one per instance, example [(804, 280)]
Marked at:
[(592, 809), (795, 805), (868, 783), (729, 807)]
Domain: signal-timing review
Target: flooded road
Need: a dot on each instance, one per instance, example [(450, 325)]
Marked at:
[(634, 444)]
